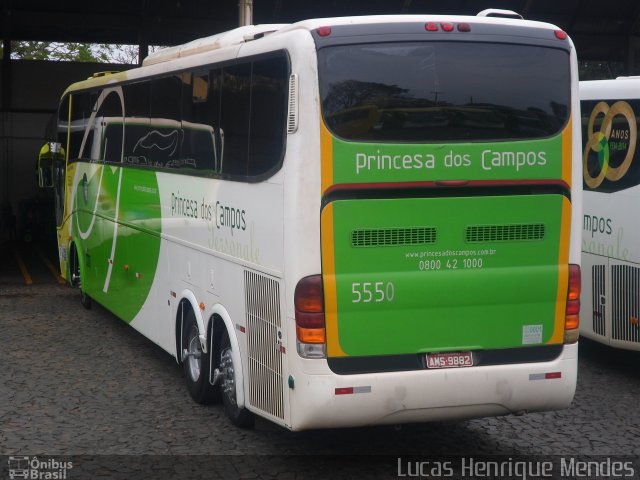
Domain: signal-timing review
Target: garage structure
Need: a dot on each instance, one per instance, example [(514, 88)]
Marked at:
[(607, 38)]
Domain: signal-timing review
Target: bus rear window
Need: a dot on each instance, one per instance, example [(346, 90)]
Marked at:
[(444, 91)]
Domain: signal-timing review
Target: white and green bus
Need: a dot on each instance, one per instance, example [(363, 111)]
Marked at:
[(611, 231), (339, 222)]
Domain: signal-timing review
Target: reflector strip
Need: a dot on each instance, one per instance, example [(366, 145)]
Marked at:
[(352, 390), (545, 376), (240, 328)]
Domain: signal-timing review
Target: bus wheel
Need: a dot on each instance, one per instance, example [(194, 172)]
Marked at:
[(85, 300), (195, 364), (240, 417)]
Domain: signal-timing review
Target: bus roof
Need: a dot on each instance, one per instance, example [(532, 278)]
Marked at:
[(253, 32), (237, 37), (619, 88)]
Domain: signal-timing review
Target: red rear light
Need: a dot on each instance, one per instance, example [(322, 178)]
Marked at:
[(572, 316), (464, 27), (308, 297), (447, 27), (324, 31), (574, 282), (561, 35), (573, 307), (431, 27), (309, 307)]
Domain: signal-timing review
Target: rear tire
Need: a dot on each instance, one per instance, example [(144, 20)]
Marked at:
[(76, 278), (195, 363), (85, 300), (240, 417)]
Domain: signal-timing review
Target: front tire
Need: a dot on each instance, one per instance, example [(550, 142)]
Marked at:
[(196, 364), (240, 417)]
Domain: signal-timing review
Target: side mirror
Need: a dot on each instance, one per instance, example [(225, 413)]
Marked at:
[(48, 153)]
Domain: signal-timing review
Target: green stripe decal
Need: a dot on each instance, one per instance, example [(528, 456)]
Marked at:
[(122, 281)]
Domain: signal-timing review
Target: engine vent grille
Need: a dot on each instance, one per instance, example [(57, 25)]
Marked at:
[(598, 296), (262, 296), (392, 237), (505, 233), (625, 305)]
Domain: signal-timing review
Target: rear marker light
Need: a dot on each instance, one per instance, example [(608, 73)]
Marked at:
[(344, 391), (561, 35), (431, 27), (447, 27), (352, 390), (324, 31), (545, 376), (464, 27)]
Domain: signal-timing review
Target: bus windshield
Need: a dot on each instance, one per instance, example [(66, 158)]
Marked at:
[(444, 91)]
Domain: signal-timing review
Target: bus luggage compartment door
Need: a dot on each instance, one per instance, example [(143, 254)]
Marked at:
[(418, 275)]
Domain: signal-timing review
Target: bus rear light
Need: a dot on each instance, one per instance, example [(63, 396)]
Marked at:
[(572, 322), (446, 27), (324, 31), (574, 282), (311, 350), (561, 35), (573, 307), (572, 315), (309, 308), (308, 297), (310, 335)]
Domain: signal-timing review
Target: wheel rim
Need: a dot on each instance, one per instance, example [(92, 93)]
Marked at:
[(228, 375), (194, 353)]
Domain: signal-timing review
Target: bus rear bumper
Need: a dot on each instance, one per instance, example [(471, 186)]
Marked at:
[(332, 401)]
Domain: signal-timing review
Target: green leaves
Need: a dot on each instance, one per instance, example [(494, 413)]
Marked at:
[(74, 52)]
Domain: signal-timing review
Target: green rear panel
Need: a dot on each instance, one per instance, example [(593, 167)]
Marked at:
[(436, 274)]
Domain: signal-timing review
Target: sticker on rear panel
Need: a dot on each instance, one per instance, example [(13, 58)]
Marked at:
[(531, 334)]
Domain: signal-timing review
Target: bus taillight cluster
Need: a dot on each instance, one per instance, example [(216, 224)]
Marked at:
[(572, 318), (310, 329)]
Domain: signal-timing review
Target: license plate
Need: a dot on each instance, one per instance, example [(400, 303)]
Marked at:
[(449, 360)]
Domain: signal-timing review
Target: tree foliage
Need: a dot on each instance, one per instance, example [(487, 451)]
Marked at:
[(73, 52)]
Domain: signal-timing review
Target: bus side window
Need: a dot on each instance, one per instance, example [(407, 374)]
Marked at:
[(269, 94), (80, 113), (137, 111), (199, 122), (163, 142), (236, 106), (109, 116)]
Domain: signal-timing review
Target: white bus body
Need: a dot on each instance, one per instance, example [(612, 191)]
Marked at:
[(610, 308), (232, 253)]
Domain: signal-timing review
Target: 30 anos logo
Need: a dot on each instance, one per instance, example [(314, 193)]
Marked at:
[(598, 142)]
